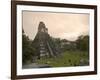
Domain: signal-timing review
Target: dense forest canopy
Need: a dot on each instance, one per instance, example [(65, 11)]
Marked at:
[(29, 51)]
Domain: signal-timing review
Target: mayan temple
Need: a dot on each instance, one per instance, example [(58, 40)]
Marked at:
[(43, 43)]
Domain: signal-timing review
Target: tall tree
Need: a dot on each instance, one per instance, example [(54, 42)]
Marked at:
[(83, 43), (27, 50)]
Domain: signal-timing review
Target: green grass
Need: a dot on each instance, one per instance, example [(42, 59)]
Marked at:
[(68, 58)]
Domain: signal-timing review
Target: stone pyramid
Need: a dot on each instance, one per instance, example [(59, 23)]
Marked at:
[(43, 43)]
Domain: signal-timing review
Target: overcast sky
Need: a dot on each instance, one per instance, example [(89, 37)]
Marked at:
[(60, 25)]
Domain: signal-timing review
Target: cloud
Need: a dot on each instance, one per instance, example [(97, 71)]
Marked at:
[(62, 25)]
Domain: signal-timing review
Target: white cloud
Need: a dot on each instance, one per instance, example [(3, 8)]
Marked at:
[(62, 25)]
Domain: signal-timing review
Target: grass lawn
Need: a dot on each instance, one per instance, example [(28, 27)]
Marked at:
[(68, 58)]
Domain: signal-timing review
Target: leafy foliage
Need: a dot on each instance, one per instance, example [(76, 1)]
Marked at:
[(28, 50), (68, 58), (83, 43), (68, 50)]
